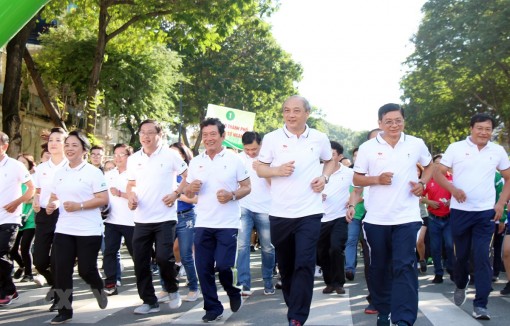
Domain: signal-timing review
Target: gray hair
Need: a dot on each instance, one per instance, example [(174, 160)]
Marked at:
[(306, 104), (4, 138)]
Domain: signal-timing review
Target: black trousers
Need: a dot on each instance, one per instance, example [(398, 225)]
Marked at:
[(68, 248), (23, 244), (145, 235), (331, 251), (113, 234), (8, 234), (44, 232), (295, 242)]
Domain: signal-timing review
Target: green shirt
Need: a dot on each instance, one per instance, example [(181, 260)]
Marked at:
[(359, 209)]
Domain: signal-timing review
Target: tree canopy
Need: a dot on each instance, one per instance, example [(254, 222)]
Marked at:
[(460, 66)]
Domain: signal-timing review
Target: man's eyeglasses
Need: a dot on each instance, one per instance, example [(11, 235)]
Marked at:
[(390, 123), (119, 155)]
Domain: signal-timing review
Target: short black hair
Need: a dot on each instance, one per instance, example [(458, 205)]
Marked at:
[(157, 125), (355, 150), (58, 130), (390, 107), (128, 149), (482, 117), (185, 152), (337, 147), (82, 138), (250, 136), (97, 147), (213, 122)]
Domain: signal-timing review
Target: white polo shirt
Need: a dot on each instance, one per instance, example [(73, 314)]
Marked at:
[(392, 204), (79, 184), (224, 171), (120, 213), (293, 196), (259, 199), (43, 179), (473, 172), (155, 178), (337, 194), (12, 175)]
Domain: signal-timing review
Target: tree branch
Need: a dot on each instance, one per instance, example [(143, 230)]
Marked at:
[(135, 19)]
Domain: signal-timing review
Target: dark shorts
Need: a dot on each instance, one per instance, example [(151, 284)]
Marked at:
[(425, 221)]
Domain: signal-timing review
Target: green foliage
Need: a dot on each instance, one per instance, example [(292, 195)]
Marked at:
[(461, 65), (348, 138), (251, 72)]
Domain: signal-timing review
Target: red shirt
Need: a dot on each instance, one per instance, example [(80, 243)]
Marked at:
[(436, 193)]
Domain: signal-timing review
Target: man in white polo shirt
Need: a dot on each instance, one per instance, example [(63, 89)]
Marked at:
[(255, 213), (220, 179), (12, 175), (387, 163), (291, 158), (472, 210), (152, 193), (334, 224)]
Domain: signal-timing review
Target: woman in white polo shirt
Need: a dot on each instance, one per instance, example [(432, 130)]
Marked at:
[(79, 189)]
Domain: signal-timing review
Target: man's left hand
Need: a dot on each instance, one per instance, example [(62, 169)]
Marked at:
[(499, 209), (318, 184), (416, 188)]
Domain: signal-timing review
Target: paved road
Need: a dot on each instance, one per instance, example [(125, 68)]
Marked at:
[(435, 308)]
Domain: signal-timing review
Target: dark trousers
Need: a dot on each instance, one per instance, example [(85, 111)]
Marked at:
[(330, 251), (8, 234), (68, 248), (43, 241), (295, 242), (144, 236), (473, 230), (393, 276), (497, 244), (113, 234), (23, 244), (220, 246)]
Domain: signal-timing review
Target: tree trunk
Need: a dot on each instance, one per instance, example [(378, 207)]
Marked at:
[(41, 90), (91, 106), (11, 122)]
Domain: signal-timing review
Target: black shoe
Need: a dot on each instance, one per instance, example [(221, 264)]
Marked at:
[(438, 279), (101, 297), (340, 290), (54, 307), (211, 316), (278, 285), (236, 302), (60, 319), (383, 320), (506, 289), (18, 273), (252, 248), (423, 266), (349, 275)]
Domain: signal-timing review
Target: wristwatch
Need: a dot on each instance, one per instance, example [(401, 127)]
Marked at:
[(234, 196), (326, 178)]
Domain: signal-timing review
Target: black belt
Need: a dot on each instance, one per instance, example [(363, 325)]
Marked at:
[(185, 211), (441, 217)]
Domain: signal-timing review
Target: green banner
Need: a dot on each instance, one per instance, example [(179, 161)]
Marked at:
[(236, 122), (14, 14)]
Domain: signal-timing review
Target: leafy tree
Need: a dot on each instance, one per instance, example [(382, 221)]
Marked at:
[(203, 23), (250, 72), (461, 65)]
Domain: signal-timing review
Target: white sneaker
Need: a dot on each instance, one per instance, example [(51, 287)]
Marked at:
[(175, 300), (246, 293), (192, 296), (163, 297), (146, 309), (318, 271), (39, 280)]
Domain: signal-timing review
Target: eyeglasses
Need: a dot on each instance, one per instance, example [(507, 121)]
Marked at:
[(148, 133), (390, 123), (119, 155)]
